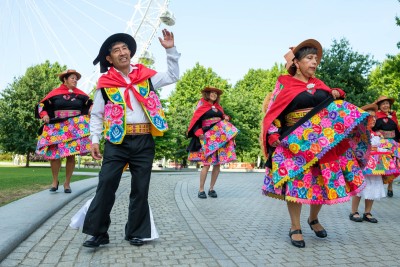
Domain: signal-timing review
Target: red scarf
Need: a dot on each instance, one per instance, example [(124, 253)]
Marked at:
[(205, 106), (63, 90), (382, 115), (113, 78)]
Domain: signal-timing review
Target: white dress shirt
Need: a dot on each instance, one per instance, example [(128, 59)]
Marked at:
[(136, 114)]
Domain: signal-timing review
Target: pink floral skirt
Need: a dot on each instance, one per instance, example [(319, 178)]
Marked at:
[(298, 175), (218, 145), (63, 139)]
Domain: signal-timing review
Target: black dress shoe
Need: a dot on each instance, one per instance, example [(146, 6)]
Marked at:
[(212, 193), (355, 219), (390, 193), (296, 243), (322, 233), (97, 240), (54, 189), (371, 219), (135, 241)]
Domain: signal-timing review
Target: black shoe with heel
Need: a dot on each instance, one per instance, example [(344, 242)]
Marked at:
[(322, 233), (296, 243), (54, 189), (67, 190)]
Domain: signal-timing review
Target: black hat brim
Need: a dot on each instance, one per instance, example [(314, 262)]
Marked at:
[(104, 49)]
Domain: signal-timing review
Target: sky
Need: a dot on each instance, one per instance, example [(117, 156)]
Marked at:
[(228, 36)]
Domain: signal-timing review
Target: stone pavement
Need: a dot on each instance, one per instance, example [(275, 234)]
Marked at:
[(239, 228)]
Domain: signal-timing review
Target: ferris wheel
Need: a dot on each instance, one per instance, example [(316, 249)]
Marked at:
[(143, 25), (72, 31)]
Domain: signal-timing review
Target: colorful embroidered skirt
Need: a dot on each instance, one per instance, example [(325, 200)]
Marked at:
[(298, 176), (218, 145), (63, 139), (382, 163), (394, 167)]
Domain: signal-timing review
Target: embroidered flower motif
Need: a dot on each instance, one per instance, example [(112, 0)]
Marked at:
[(154, 96), (151, 104), (339, 128), (116, 112), (323, 141), (294, 148)]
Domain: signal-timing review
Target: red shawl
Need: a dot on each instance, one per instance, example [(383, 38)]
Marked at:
[(380, 114), (114, 79), (291, 88), (202, 107), (63, 90)]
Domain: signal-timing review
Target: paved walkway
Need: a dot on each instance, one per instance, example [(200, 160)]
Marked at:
[(239, 228)]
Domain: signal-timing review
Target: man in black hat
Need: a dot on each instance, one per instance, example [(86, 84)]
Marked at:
[(128, 113)]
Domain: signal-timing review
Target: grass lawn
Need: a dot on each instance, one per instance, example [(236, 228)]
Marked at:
[(18, 182)]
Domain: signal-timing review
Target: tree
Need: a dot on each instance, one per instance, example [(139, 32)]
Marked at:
[(18, 126), (181, 105), (385, 79), (341, 67), (244, 105)]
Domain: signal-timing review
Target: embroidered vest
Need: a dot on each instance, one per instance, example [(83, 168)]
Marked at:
[(114, 125)]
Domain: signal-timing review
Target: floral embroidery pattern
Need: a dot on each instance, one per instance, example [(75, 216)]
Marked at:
[(382, 163), (153, 107), (319, 140), (63, 139), (223, 155), (114, 119), (218, 136), (296, 173), (218, 146)]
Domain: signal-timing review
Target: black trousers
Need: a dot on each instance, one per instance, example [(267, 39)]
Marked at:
[(138, 151)]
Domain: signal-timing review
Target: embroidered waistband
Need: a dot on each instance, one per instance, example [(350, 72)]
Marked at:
[(66, 113), (210, 121), (138, 128), (388, 134), (296, 115)]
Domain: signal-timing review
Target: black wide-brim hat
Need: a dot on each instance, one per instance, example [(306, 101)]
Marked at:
[(104, 49)]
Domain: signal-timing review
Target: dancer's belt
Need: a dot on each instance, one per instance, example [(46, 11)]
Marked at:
[(138, 128), (66, 113), (388, 134), (211, 121), (296, 115)]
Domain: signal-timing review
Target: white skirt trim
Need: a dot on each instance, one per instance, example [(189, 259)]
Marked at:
[(374, 189)]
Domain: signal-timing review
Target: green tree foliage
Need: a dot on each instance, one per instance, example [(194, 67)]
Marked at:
[(18, 126), (341, 67), (385, 79), (244, 105), (181, 105)]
